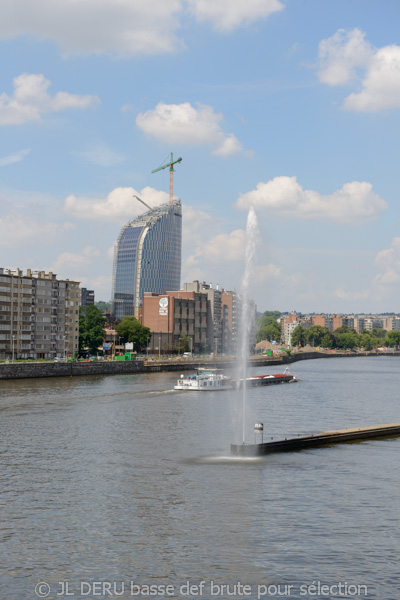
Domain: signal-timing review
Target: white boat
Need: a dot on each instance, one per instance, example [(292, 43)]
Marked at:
[(204, 380)]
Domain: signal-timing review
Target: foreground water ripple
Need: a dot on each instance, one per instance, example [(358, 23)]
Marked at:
[(118, 479)]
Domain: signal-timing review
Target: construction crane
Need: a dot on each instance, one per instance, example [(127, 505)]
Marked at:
[(171, 164)]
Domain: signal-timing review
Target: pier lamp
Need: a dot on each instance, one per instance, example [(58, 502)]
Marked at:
[(13, 342), (259, 428)]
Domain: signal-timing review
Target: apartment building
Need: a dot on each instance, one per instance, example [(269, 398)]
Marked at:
[(214, 319), (170, 315), (39, 315), (209, 316), (87, 297), (288, 325), (392, 324)]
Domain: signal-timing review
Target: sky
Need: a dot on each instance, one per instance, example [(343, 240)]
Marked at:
[(291, 107)]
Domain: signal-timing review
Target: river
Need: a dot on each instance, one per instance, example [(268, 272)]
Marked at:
[(113, 484)]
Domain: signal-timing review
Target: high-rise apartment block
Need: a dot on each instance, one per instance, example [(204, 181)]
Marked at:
[(39, 315), (147, 258)]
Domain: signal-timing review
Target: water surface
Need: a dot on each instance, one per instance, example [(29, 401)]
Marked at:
[(118, 479)]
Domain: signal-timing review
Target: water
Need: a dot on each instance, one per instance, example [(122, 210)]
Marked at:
[(117, 480), (247, 320)]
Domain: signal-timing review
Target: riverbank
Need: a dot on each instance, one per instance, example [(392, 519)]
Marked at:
[(23, 370)]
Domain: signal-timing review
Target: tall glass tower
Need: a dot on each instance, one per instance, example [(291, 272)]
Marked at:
[(147, 258)]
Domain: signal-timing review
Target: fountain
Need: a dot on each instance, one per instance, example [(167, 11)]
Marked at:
[(247, 312)]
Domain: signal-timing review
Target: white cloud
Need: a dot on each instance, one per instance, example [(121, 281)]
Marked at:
[(102, 156), (18, 229), (342, 294), (381, 85), (341, 54), (101, 285), (125, 27), (31, 100), (120, 204), (221, 248), (14, 158), (226, 15), (388, 261), (70, 262), (184, 124), (264, 273), (354, 203)]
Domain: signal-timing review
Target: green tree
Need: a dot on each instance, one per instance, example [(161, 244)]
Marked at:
[(299, 336), (268, 329), (393, 339), (130, 330), (347, 339), (315, 334), (91, 328), (183, 344), (378, 332), (103, 306), (328, 340), (343, 329), (364, 341), (275, 314)]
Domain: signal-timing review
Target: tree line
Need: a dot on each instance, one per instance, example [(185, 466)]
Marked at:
[(342, 338), (129, 329), (92, 330)]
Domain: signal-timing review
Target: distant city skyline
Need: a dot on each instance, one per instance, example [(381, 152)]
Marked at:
[(289, 107)]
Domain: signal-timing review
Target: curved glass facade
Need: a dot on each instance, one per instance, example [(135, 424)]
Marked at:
[(147, 258)]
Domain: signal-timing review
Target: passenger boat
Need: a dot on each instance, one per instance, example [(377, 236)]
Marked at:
[(204, 380)]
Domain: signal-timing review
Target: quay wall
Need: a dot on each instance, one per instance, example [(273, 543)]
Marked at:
[(21, 370)]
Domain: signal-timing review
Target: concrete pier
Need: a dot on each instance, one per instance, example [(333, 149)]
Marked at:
[(316, 440)]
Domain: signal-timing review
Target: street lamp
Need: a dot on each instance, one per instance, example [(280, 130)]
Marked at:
[(191, 346), (13, 340), (159, 346), (65, 342)]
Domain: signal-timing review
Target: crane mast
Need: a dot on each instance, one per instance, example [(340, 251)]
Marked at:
[(170, 164)]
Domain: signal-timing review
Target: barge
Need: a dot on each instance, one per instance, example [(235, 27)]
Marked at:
[(257, 380), (316, 440)]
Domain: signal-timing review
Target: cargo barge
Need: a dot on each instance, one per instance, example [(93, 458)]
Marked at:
[(257, 380), (316, 440)]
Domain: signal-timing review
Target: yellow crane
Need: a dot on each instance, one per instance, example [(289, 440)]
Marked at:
[(170, 164)]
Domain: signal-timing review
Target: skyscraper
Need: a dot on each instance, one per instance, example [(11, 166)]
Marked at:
[(147, 258)]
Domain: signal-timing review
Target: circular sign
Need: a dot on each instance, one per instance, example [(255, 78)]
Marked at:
[(163, 302)]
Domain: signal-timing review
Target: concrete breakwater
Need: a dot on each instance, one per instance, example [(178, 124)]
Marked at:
[(21, 370), (324, 438)]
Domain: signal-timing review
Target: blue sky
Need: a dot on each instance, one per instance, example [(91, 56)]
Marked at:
[(289, 106)]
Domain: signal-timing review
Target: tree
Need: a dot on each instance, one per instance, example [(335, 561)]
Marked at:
[(268, 329), (299, 336), (315, 334), (131, 331), (364, 341), (393, 339), (275, 314), (91, 328), (347, 339), (183, 344), (328, 341), (378, 332)]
